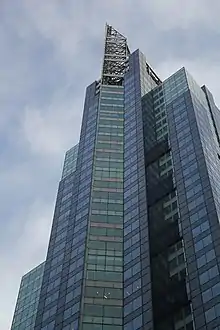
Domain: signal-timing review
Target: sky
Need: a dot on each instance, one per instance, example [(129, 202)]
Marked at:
[(50, 51)]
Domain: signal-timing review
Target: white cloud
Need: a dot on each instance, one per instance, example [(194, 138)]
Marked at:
[(56, 127), (64, 28), (28, 249), (171, 14)]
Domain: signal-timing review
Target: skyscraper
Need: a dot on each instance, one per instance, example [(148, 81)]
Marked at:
[(135, 241)]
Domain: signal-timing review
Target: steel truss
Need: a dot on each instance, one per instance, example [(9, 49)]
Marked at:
[(115, 57)]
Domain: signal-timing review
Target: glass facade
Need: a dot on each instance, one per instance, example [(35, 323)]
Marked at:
[(195, 147), (27, 301), (135, 240), (139, 80), (70, 160), (103, 287), (182, 155)]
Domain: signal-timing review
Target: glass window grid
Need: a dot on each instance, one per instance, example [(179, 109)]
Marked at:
[(103, 311), (28, 297), (109, 160), (107, 201), (52, 298), (49, 312), (103, 155), (183, 319), (170, 206), (132, 255), (99, 175), (130, 189), (71, 311), (195, 217), (110, 145), (72, 326), (203, 242), (211, 293), (107, 184), (176, 259), (114, 131), (132, 270), (104, 275), (109, 126), (132, 287), (165, 165), (132, 306), (102, 323), (161, 126), (212, 313), (209, 274), (104, 262), (203, 227), (108, 206), (206, 258), (103, 292), (108, 115), (74, 277), (136, 323), (105, 114), (109, 219), (107, 212)]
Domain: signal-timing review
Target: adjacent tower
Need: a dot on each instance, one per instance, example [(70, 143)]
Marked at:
[(28, 297), (135, 241)]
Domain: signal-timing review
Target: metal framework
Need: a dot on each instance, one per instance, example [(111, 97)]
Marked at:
[(115, 57)]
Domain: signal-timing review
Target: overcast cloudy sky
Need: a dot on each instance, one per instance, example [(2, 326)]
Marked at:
[(50, 51)]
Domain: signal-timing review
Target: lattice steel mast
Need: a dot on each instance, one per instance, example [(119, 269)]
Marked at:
[(115, 57)]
